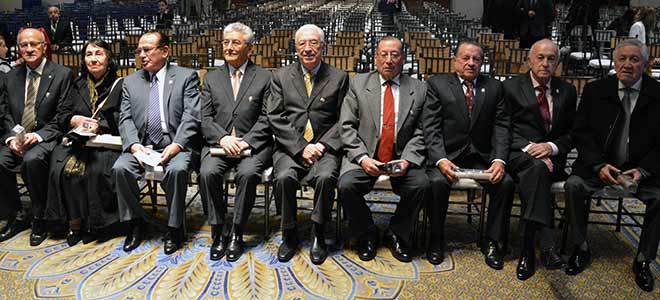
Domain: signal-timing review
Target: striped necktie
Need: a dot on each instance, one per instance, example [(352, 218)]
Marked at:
[(154, 129), (29, 112)]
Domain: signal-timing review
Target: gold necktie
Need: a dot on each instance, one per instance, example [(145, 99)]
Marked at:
[(308, 135), (29, 112), (308, 83), (236, 82)]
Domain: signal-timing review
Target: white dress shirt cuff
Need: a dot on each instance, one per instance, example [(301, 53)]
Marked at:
[(437, 163), (555, 150), (497, 159)]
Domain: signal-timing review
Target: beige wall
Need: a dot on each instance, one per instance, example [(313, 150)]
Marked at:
[(10, 5), (473, 9), (655, 3)]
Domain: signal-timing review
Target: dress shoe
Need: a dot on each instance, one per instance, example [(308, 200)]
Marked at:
[(643, 276), (12, 228), (235, 246), (435, 253), (88, 237), (526, 266), (73, 237), (397, 247), (366, 248), (318, 251), (219, 243), (493, 255), (39, 233), (133, 238), (288, 246), (173, 240), (550, 259), (578, 261)]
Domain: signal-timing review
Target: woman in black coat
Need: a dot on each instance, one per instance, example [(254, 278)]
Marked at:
[(81, 188)]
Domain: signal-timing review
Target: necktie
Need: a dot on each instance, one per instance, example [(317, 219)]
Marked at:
[(308, 83), (29, 112), (236, 82), (468, 96), (623, 129), (154, 130), (543, 106), (386, 143)]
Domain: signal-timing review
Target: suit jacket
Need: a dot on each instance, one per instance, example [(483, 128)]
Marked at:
[(536, 25), (527, 123), (247, 114), (52, 91), (290, 108), (164, 20), (448, 130), (62, 35), (599, 110), (182, 108), (360, 120)]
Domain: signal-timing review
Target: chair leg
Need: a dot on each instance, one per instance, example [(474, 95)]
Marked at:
[(339, 218), (482, 217), (153, 193), (470, 197), (619, 212), (266, 211)]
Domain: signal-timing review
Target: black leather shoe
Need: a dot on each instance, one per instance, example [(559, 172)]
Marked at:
[(235, 246), (435, 253), (39, 233), (89, 236), (526, 266), (12, 228), (550, 259), (133, 238), (493, 255), (643, 276), (397, 247), (288, 246), (366, 248), (73, 237), (578, 261), (219, 243), (173, 240), (318, 251)]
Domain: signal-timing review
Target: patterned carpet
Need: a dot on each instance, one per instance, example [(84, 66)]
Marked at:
[(105, 271)]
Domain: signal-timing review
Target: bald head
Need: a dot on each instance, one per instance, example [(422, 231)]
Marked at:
[(543, 60), (31, 45)]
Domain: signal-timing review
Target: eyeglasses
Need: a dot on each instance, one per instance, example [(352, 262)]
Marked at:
[(394, 55), (146, 51), (24, 45), (229, 43)]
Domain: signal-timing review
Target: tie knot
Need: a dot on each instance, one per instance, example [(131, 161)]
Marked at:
[(388, 83), (308, 75), (541, 89), (467, 83), (34, 74), (237, 72), (154, 78)]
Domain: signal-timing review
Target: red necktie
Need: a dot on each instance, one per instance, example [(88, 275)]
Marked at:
[(468, 95), (386, 143), (543, 106)]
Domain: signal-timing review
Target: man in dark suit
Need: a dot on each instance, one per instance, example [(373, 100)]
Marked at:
[(38, 86), (234, 118), (541, 108), (466, 126), (303, 113), (159, 109), (165, 16), (617, 132), (59, 30), (535, 19), (379, 124)]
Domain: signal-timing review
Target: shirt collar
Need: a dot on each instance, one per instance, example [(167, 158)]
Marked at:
[(636, 86), (474, 82), (536, 84), (394, 80), (314, 71), (161, 74), (40, 67), (242, 68)]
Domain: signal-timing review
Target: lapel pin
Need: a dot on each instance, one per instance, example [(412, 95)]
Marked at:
[(47, 94), (50, 76), (171, 81), (412, 112), (250, 98), (556, 91), (322, 99), (483, 90)]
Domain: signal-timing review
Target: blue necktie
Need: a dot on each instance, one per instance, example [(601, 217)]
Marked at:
[(154, 129)]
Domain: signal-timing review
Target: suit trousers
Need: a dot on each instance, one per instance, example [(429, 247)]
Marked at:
[(413, 187), (211, 184), (578, 197), (34, 171), (127, 171), (499, 206), (322, 175), (535, 182)]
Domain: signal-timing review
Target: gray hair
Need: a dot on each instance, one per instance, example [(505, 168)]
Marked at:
[(310, 27), (635, 43), (241, 28)]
